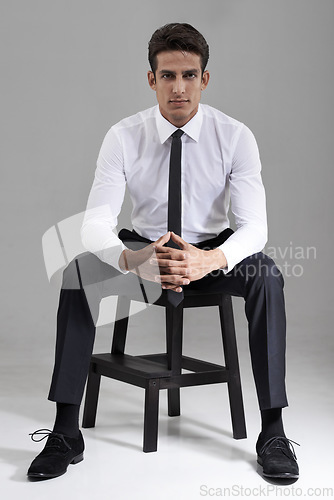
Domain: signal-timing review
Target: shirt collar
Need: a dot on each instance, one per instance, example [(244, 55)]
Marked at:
[(192, 128)]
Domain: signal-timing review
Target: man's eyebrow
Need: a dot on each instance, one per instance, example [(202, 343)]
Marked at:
[(169, 72)]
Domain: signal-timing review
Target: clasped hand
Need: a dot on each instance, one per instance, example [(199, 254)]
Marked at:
[(172, 267)]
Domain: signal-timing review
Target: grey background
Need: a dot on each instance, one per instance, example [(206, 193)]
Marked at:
[(70, 69)]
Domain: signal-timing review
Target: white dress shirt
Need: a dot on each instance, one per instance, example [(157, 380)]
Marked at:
[(220, 162)]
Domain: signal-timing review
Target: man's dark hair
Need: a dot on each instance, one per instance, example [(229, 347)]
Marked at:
[(177, 36)]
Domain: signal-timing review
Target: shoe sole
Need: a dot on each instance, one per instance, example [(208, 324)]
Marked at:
[(36, 475), (282, 475)]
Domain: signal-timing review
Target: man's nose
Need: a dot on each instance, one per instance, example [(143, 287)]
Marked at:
[(179, 85)]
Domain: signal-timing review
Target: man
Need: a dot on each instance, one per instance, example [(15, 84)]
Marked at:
[(219, 160)]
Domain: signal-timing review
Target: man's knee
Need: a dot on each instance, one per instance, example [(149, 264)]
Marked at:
[(71, 280), (260, 267), (83, 270)]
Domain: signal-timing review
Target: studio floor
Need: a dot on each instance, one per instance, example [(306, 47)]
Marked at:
[(197, 455)]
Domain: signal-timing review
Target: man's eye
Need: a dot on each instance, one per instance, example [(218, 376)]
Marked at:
[(190, 75), (166, 76)]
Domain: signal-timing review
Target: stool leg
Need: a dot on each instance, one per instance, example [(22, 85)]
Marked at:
[(232, 365), (151, 416), (174, 326), (92, 396), (121, 325)]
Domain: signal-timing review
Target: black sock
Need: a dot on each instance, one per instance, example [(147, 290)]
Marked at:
[(272, 424), (67, 420)]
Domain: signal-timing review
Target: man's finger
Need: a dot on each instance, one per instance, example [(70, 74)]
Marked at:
[(177, 255), (165, 262), (179, 241), (162, 240), (172, 287), (173, 279), (161, 249)]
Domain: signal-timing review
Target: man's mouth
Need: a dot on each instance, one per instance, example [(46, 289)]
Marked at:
[(178, 102)]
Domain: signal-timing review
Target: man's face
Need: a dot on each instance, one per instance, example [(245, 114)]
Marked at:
[(178, 83)]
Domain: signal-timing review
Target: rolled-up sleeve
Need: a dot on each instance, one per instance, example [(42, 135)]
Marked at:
[(104, 203), (248, 202)]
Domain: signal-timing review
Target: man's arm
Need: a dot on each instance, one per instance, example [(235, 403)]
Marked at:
[(248, 201), (105, 202)]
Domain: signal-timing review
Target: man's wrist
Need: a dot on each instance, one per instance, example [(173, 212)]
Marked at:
[(123, 261), (220, 261)]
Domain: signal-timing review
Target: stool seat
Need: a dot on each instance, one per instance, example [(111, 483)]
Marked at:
[(155, 372)]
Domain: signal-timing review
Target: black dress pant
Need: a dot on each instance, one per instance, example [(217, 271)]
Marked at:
[(87, 280)]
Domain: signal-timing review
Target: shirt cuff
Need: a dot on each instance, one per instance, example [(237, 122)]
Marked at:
[(233, 252), (111, 256)]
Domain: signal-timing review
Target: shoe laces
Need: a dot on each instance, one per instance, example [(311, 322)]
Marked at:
[(280, 443), (48, 433)]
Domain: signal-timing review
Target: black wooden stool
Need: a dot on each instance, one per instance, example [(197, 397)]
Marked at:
[(164, 371)]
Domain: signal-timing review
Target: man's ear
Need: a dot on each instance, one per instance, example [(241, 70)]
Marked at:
[(151, 80), (205, 80)]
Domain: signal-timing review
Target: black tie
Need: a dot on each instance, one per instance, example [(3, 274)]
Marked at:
[(174, 188), (174, 201)]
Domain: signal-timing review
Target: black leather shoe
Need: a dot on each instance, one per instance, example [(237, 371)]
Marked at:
[(277, 458), (58, 453)]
